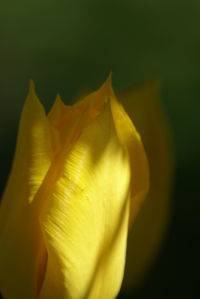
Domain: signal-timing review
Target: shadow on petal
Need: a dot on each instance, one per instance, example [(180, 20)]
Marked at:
[(149, 229)]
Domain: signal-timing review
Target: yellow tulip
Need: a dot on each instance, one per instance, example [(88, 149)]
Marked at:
[(78, 176)]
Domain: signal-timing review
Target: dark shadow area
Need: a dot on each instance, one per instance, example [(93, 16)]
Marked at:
[(176, 271)]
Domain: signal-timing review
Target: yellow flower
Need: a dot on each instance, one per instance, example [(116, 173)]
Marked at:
[(78, 175)]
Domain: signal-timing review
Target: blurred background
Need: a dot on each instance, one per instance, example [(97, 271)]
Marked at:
[(70, 47)]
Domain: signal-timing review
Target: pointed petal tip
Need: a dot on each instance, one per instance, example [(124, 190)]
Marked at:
[(107, 85), (58, 99), (59, 102), (57, 109), (108, 81), (32, 98), (31, 86)]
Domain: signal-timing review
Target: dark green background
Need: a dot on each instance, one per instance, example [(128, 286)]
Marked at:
[(70, 47)]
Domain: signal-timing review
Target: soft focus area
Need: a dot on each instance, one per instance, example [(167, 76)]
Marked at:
[(70, 47)]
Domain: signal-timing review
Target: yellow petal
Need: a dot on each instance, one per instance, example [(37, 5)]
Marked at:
[(138, 161), (57, 111), (145, 239), (85, 219), (64, 121), (129, 138), (20, 240)]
